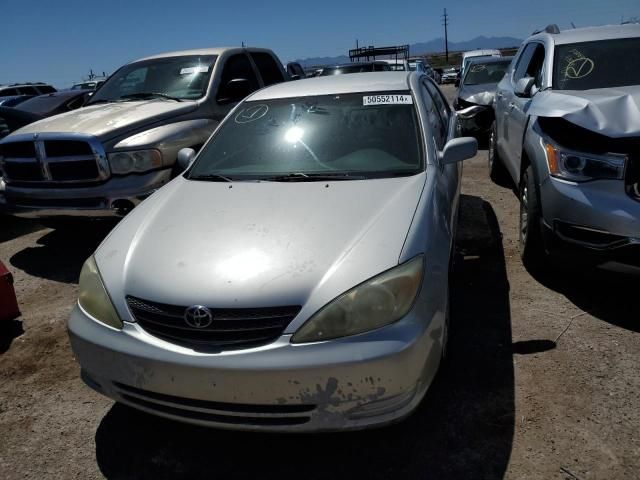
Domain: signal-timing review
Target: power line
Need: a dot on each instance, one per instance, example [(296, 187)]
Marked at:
[(445, 22)]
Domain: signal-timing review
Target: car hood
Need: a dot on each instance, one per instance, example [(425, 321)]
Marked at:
[(614, 112), (109, 119), (258, 244), (478, 94)]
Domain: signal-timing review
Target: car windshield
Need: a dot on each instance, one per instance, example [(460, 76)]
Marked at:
[(181, 77), (480, 73), (354, 136), (599, 64), (355, 68)]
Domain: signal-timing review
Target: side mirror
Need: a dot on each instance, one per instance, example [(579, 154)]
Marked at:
[(524, 86), (459, 149), (185, 158), (234, 91)]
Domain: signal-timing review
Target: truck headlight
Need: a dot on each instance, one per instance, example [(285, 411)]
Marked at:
[(135, 161), (582, 167), (380, 301), (93, 297)]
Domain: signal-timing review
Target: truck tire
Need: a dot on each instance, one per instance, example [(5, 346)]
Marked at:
[(497, 172), (532, 251)]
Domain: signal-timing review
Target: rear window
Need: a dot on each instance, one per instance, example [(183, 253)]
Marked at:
[(599, 64), (268, 68), (46, 89), (366, 134)]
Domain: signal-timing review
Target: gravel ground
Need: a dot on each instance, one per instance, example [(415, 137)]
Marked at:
[(543, 379)]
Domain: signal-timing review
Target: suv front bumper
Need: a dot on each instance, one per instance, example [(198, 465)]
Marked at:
[(113, 198)]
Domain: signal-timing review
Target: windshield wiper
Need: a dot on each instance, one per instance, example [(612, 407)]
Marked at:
[(143, 95), (312, 177), (212, 177)]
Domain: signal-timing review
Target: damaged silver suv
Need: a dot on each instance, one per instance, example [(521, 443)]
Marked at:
[(567, 131)]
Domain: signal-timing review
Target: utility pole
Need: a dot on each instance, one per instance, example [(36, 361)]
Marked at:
[(445, 22)]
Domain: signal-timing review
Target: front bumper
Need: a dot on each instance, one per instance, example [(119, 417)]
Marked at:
[(598, 219), (476, 119), (113, 198), (355, 382)]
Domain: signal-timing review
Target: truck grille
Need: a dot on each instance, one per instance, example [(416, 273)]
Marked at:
[(230, 329), (50, 159)]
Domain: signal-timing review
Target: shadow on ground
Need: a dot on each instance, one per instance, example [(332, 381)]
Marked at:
[(60, 253), (13, 227), (9, 331), (463, 428), (608, 296)]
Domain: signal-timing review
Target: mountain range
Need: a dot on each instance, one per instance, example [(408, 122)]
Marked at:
[(432, 46)]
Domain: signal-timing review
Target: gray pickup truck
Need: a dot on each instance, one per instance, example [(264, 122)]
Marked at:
[(105, 158)]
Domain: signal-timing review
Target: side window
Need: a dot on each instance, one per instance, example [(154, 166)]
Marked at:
[(268, 68), (530, 63), (28, 91), (440, 101), (46, 89), (438, 127), (9, 92), (238, 66)]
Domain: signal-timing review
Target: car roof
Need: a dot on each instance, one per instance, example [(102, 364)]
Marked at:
[(202, 51), (483, 60), (337, 84), (589, 34)]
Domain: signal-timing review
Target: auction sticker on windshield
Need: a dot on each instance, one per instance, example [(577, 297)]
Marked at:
[(387, 100)]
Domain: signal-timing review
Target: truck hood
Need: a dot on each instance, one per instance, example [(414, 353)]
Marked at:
[(478, 94), (107, 120), (250, 244), (614, 112)]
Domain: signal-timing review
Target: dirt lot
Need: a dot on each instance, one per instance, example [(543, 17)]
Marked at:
[(543, 380)]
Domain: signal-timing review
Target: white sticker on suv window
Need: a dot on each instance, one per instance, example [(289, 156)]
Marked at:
[(198, 69), (387, 100)]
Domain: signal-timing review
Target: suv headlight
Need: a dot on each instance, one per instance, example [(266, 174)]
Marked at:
[(380, 301), (93, 297), (582, 167), (135, 161)]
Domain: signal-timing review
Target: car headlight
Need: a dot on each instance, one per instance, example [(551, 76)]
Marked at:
[(135, 161), (93, 297), (582, 167), (380, 301)]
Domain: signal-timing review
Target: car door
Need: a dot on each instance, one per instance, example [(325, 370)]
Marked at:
[(442, 124), (515, 116)]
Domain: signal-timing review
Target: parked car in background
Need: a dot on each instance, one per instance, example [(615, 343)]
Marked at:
[(356, 67), (295, 71), (12, 119), (14, 100), (216, 276), (31, 89), (88, 85), (476, 93), (104, 159), (55, 103), (450, 75), (466, 56), (567, 131)]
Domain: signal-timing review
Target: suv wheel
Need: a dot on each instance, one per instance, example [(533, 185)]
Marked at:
[(496, 168), (531, 244)]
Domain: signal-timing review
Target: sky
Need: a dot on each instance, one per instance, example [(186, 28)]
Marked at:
[(58, 41)]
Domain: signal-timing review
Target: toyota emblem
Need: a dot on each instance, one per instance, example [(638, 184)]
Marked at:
[(197, 316)]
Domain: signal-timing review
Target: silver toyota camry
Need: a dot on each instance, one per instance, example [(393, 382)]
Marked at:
[(295, 277)]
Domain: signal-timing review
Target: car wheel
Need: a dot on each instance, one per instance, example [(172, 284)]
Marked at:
[(532, 249), (496, 168)]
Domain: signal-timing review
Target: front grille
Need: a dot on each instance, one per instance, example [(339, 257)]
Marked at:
[(54, 161), (230, 329)]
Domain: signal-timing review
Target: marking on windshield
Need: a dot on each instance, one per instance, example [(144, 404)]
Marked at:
[(579, 68), (251, 114), (478, 68), (387, 100)]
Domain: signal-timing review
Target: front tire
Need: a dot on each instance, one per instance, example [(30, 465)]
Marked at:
[(532, 249)]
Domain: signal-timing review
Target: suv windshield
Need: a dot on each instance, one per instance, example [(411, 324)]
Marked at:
[(599, 64), (315, 138), (479, 73), (181, 77)]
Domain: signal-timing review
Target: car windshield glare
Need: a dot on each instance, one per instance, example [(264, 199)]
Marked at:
[(319, 137), (598, 64), (181, 77), (481, 73)]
